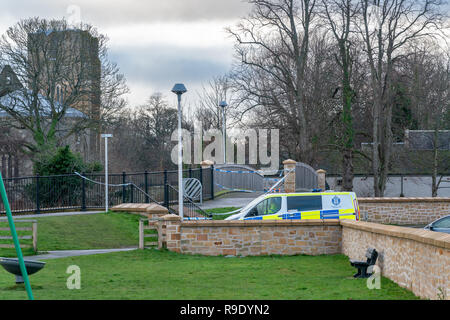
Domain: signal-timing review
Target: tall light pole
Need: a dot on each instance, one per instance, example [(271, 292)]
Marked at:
[(179, 89), (223, 105), (106, 136)]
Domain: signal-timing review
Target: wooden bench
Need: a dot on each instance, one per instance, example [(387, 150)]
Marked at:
[(362, 266)]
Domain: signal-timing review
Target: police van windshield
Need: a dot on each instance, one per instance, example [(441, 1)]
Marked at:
[(304, 203), (252, 203)]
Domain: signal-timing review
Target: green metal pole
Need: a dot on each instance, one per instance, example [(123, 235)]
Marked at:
[(16, 239)]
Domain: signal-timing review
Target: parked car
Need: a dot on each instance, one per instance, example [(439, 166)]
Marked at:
[(301, 206), (440, 225)]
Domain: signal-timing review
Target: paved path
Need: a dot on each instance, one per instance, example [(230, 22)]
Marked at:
[(74, 253), (233, 199), (55, 214)]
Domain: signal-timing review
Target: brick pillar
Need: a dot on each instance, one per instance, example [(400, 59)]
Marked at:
[(289, 182), (172, 225), (321, 179)]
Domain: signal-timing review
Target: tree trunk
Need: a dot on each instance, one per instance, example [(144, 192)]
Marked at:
[(347, 179), (347, 159), (376, 149), (434, 184)]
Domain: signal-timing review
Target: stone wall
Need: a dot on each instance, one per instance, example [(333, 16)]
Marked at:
[(416, 259), (243, 238), (404, 211)]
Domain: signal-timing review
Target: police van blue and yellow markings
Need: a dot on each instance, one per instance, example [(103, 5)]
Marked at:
[(309, 215)]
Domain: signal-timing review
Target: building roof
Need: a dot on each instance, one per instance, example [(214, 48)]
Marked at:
[(12, 98), (423, 139)]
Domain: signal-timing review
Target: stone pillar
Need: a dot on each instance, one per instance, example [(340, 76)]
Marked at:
[(321, 179), (171, 224), (206, 164), (154, 211), (289, 182)]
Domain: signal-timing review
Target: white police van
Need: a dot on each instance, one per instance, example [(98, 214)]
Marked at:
[(301, 206)]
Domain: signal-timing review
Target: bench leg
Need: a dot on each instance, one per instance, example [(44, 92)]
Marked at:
[(362, 273)]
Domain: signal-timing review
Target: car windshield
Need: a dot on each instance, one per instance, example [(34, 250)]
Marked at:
[(443, 223), (252, 203)]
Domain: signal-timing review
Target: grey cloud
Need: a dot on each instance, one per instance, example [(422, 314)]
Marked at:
[(157, 67), (166, 64), (105, 12)]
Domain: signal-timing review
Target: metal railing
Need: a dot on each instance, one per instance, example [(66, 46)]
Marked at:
[(39, 194), (190, 209)]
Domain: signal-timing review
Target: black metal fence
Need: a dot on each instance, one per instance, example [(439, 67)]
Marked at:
[(190, 209), (71, 192)]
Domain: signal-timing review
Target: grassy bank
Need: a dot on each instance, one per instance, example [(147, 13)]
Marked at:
[(78, 232), (152, 274)]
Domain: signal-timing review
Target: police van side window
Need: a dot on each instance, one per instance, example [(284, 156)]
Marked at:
[(304, 203), (273, 205)]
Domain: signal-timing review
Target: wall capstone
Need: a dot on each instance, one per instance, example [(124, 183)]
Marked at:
[(206, 164)]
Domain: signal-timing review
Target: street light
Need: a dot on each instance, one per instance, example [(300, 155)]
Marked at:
[(106, 136), (224, 104), (179, 89)]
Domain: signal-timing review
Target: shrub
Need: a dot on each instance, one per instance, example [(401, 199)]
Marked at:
[(59, 189)]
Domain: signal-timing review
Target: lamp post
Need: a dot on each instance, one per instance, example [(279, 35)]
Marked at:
[(223, 105), (179, 89), (106, 136)]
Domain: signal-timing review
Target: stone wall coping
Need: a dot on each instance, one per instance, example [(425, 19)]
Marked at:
[(131, 207), (258, 223), (207, 163), (157, 208), (437, 239), (289, 161), (170, 217), (391, 200)]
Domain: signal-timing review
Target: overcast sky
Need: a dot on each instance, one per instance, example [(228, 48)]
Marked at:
[(156, 43)]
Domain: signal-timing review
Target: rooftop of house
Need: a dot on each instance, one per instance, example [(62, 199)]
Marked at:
[(19, 99), (16, 98), (424, 139)]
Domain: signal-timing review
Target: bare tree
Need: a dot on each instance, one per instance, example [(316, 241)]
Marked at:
[(272, 46), (386, 26), (208, 112), (143, 136), (339, 15), (427, 75), (61, 69)]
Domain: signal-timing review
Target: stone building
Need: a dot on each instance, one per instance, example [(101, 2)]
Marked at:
[(81, 51)]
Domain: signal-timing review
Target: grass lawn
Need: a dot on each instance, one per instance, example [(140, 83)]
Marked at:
[(221, 210), (95, 231), (153, 274)]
